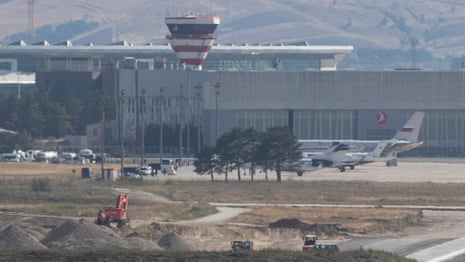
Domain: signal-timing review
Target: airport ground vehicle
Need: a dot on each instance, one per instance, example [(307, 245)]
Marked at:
[(242, 245), (310, 244), (167, 167), (47, 156), (114, 215)]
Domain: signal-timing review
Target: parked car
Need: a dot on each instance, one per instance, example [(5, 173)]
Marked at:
[(144, 171), (87, 153), (130, 171)]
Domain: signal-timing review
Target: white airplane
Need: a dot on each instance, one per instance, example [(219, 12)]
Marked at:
[(345, 153), (335, 156)]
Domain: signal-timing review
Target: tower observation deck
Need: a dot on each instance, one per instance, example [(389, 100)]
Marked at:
[(191, 38)]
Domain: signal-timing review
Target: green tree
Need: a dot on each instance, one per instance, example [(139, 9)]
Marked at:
[(58, 120), (32, 118), (232, 148), (253, 140), (278, 146), (206, 161)]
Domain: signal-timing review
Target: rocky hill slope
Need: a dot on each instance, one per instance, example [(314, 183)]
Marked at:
[(435, 26)]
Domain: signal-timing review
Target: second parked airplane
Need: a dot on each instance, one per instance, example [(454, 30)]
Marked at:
[(348, 153)]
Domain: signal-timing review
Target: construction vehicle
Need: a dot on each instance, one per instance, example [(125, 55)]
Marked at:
[(114, 215), (242, 245), (310, 243)]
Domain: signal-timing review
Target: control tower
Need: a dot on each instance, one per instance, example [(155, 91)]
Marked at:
[(192, 38)]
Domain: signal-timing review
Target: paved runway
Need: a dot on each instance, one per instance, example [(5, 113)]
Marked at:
[(437, 172)]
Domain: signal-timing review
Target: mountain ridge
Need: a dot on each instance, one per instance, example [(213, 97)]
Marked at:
[(435, 26)]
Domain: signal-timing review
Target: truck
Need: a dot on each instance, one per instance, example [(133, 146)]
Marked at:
[(311, 244), (242, 245)]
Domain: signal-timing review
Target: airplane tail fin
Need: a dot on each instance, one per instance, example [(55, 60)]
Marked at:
[(411, 129)]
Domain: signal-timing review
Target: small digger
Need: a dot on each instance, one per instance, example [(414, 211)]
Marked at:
[(114, 215)]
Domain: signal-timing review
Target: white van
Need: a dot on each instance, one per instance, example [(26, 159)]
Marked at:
[(11, 157), (167, 167), (47, 156)]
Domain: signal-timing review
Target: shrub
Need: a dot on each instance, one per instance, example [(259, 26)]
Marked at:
[(41, 185)]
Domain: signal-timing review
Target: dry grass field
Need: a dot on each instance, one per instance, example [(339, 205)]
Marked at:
[(67, 196)]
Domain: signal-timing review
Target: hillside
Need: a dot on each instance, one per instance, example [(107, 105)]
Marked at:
[(435, 25)]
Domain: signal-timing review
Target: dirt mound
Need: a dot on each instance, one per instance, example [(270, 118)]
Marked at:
[(319, 229), (154, 232), (174, 241), (142, 244), (291, 223), (13, 237), (83, 234)]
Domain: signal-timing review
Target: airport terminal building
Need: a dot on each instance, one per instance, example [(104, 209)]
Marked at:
[(297, 86)]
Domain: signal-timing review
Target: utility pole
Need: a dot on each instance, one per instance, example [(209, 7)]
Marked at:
[(199, 117)]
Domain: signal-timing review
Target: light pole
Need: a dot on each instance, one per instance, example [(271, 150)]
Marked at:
[(121, 109), (161, 123), (142, 137), (217, 87), (102, 145), (199, 115), (180, 122)]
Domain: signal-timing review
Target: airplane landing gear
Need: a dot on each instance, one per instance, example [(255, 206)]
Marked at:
[(392, 162)]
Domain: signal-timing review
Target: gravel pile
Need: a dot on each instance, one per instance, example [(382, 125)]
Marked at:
[(174, 241), (290, 223), (141, 244), (86, 235), (14, 237), (293, 223)]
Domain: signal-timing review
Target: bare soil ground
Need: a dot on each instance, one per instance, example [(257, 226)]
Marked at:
[(167, 213)]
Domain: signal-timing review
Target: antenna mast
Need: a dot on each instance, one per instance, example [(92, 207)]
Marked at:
[(30, 20), (413, 46)]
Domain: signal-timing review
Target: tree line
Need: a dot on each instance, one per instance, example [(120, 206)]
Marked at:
[(238, 148), (51, 112)]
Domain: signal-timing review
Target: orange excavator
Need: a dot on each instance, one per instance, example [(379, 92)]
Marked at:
[(114, 215)]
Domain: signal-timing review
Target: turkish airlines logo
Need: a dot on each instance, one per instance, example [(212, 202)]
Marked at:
[(381, 118)]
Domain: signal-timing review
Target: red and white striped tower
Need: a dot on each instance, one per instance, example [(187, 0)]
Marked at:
[(192, 38)]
